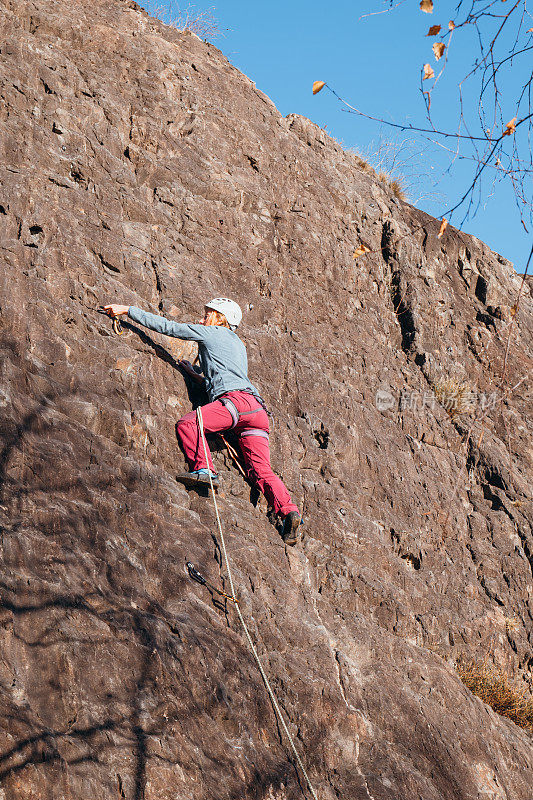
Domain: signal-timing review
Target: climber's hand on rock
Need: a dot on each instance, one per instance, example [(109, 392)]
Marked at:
[(187, 366), (114, 310), (189, 369)]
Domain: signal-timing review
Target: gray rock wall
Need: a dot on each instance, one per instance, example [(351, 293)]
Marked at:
[(138, 166)]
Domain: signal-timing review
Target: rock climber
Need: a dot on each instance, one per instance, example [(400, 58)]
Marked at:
[(235, 404)]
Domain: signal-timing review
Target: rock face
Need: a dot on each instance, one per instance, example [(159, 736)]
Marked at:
[(138, 166)]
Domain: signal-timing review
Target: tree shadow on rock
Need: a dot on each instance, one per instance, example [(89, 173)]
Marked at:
[(40, 616), (80, 618)]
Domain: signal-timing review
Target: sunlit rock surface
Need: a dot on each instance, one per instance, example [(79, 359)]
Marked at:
[(138, 166)]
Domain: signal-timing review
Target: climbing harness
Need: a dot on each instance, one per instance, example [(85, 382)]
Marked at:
[(236, 415), (199, 578), (243, 623)]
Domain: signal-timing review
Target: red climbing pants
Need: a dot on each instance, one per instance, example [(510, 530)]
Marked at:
[(252, 429)]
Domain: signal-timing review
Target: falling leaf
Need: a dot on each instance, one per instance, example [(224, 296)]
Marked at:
[(438, 49), (510, 127), (451, 25), (443, 226), (317, 86), (426, 6), (433, 30), (428, 72), (361, 250)]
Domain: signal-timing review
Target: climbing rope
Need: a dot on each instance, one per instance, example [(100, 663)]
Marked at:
[(241, 618)]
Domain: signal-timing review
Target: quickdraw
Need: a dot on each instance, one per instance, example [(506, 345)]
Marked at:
[(234, 456), (117, 327), (199, 578)]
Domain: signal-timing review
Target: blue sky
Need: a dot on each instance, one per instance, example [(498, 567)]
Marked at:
[(374, 63)]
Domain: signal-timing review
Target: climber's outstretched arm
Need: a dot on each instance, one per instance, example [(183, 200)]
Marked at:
[(162, 325), (191, 332)]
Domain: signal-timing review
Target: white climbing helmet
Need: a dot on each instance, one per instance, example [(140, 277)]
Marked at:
[(230, 309)]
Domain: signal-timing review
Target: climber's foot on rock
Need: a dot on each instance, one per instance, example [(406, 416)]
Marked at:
[(198, 478), (291, 528)]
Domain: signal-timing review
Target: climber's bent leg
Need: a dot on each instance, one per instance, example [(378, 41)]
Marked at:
[(216, 418), (256, 455)]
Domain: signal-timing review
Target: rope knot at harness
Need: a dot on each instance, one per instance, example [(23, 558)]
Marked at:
[(241, 618)]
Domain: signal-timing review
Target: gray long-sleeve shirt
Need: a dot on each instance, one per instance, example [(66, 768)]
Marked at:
[(222, 354)]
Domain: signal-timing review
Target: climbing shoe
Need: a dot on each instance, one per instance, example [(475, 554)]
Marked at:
[(198, 477), (290, 531)]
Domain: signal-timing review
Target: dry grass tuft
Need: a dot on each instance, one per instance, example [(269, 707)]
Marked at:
[(361, 163), (496, 689), (395, 184), (202, 23), (455, 397), (397, 188)]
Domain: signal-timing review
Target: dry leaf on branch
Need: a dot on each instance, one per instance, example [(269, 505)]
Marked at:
[(426, 6), (429, 99), (317, 86), (451, 25), (513, 310), (529, 30), (428, 72), (510, 127), (438, 49), (361, 250), (433, 30), (443, 226)]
